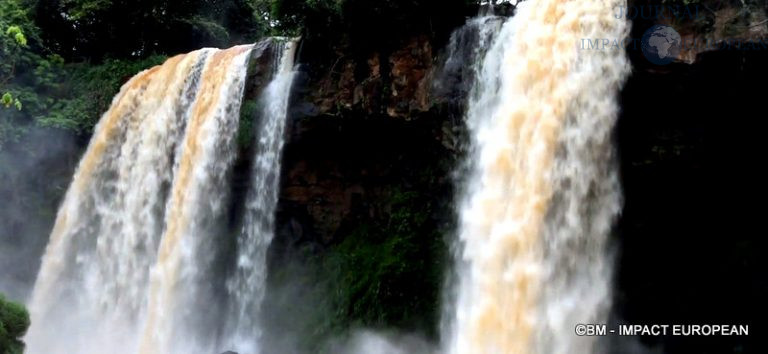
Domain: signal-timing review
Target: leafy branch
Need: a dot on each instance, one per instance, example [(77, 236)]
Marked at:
[(13, 42)]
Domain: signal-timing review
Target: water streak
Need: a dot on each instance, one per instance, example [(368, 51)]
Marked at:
[(248, 284)]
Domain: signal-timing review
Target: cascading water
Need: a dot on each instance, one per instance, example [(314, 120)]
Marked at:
[(131, 263), (468, 44), (180, 284), (248, 284), (542, 191)]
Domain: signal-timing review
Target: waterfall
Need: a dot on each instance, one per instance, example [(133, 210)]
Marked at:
[(133, 261), (248, 285), (542, 190)]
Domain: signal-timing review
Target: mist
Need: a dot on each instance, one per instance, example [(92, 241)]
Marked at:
[(35, 174)]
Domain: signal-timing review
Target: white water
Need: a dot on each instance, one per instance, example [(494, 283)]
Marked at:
[(542, 191), (181, 286), (128, 266), (249, 282), (131, 265)]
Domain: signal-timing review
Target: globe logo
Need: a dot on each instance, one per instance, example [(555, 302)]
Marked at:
[(661, 44)]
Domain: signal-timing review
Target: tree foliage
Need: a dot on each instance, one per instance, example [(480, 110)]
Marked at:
[(13, 43), (370, 21), (14, 321), (64, 60), (94, 29), (17, 56)]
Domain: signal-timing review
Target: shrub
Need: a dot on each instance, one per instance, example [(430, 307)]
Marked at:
[(14, 321)]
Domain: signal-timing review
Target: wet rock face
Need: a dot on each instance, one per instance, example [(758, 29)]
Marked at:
[(339, 172), (395, 84), (411, 66), (362, 125), (704, 26), (260, 68), (722, 26)]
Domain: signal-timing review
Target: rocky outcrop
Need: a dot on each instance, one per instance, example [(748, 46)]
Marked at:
[(724, 28), (361, 125), (394, 84), (409, 86), (706, 25)]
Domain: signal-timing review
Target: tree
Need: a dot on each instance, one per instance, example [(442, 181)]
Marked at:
[(96, 29), (370, 22), (12, 44), (17, 55), (38, 88), (14, 321)]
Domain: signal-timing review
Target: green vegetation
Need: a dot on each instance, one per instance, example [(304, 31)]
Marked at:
[(13, 41), (245, 132), (63, 60), (95, 29), (14, 321), (388, 273), (385, 272), (39, 88), (366, 23)]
